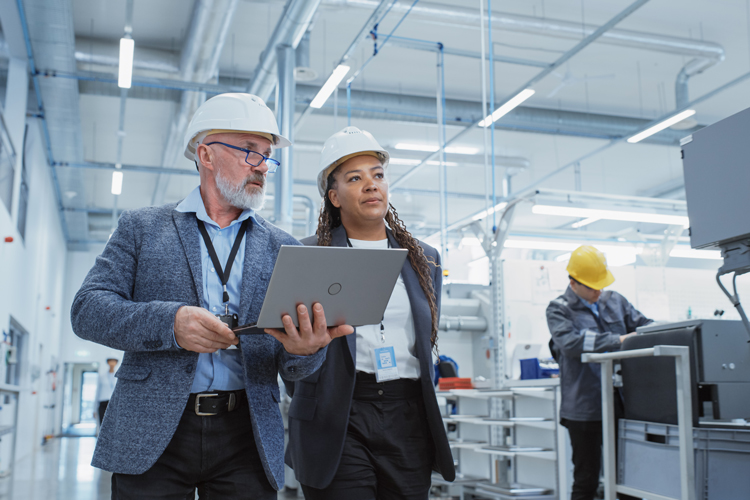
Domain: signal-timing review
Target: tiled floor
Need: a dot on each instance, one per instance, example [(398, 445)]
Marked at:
[(62, 471)]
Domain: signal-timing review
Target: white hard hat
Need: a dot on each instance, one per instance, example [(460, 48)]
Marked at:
[(232, 113), (343, 145)]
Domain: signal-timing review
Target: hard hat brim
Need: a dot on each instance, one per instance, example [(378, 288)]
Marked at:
[(600, 284)]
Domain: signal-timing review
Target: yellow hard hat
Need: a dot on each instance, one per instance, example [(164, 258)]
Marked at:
[(588, 266)]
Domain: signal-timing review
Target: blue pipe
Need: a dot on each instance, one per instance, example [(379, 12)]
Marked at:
[(45, 128), (492, 110), (359, 71), (348, 104)]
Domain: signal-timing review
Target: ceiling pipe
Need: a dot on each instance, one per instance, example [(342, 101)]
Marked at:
[(199, 62), (294, 22), (406, 108), (441, 13)]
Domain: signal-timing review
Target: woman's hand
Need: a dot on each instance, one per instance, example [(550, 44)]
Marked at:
[(310, 337)]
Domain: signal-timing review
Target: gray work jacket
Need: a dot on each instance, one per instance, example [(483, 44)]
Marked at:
[(575, 330)]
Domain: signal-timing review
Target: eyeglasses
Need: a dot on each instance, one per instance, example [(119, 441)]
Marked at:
[(253, 158)]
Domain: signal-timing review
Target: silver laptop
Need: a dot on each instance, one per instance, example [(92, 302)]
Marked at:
[(352, 284)]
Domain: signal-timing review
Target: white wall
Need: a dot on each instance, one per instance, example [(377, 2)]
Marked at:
[(74, 349), (32, 274)]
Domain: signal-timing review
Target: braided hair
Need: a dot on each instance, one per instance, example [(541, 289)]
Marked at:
[(330, 218)]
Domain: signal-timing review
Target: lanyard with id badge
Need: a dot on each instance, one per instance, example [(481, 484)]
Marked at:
[(230, 320), (384, 357)]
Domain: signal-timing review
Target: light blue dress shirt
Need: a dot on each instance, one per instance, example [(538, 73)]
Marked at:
[(221, 370), (594, 307)]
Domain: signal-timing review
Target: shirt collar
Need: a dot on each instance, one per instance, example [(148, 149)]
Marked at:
[(193, 202)]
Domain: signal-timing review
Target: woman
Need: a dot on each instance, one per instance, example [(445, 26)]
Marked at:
[(350, 436)]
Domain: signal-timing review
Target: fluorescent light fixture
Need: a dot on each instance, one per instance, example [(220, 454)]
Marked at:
[(329, 86), (116, 183), (404, 161), (411, 162), (584, 222), (125, 76), (675, 220), (432, 148), (427, 148), (616, 255), (490, 211), (661, 126), (689, 253), (507, 107), (461, 150)]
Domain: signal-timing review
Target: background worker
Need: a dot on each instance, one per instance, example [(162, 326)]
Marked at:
[(356, 431), (587, 319), (189, 412), (105, 388)]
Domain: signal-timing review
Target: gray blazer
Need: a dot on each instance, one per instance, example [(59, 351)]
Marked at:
[(319, 413), (575, 330), (151, 267)]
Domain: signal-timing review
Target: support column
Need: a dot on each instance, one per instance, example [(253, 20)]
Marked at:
[(284, 176)]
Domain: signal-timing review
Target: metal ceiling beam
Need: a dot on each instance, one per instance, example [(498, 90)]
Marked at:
[(533, 185), (560, 61), (409, 108), (193, 173), (445, 14)]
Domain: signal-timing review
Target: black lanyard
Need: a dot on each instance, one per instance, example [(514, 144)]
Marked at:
[(382, 327), (223, 274)]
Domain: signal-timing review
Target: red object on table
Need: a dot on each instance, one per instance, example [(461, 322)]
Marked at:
[(448, 383), (9, 239)]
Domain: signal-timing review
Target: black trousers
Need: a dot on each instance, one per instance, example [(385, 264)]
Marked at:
[(102, 409), (586, 441), (388, 452), (215, 454)]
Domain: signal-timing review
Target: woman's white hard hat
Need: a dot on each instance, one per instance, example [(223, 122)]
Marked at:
[(244, 113), (344, 145)]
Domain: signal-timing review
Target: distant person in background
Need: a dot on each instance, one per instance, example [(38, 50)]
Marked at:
[(105, 388), (587, 319)]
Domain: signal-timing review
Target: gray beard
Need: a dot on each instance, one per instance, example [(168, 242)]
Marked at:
[(238, 197)]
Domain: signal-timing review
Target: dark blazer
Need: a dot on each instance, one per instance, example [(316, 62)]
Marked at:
[(150, 268), (319, 413)]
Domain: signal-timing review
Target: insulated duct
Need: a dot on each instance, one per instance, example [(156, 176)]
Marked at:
[(290, 29), (52, 36), (199, 62)]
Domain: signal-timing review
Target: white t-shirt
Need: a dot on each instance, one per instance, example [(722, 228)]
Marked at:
[(106, 386), (398, 324)]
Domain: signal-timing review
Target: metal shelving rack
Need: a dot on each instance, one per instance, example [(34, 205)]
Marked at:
[(528, 452)]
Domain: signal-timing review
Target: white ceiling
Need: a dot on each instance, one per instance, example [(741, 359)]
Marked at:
[(642, 86)]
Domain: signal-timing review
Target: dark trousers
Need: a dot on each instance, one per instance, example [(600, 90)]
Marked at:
[(215, 454), (388, 452), (586, 441), (102, 409)]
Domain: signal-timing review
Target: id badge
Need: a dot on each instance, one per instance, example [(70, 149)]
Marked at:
[(385, 364)]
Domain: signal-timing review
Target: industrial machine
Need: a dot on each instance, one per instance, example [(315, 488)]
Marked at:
[(719, 371), (717, 178)]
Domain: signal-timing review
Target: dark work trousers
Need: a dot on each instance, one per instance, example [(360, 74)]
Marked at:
[(102, 409), (215, 454), (586, 441), (388, 452)]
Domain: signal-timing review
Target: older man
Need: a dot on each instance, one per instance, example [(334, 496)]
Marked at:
[(587, 319), (196, 407)]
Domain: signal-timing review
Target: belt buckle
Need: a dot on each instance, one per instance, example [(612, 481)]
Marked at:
[(198, 404), (232, 402)]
